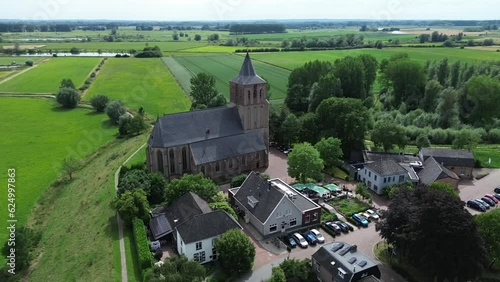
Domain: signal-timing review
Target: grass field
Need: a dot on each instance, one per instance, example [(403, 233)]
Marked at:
[(46, 77), (35, 137), (122, 46), (18, 60), (79, 226), (226, 67), (291, 60), (139, 83)]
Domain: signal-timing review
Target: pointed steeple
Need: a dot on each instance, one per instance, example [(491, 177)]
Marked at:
[(247, 73)]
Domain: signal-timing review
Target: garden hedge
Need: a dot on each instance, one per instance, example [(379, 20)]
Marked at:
[(141, 244)]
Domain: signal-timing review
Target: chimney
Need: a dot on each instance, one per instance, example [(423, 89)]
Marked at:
[(353, 248)]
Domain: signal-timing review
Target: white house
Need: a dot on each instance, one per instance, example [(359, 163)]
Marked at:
[(196, 237), (379, 174)]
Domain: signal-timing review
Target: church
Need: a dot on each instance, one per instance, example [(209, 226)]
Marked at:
[(219, 142)]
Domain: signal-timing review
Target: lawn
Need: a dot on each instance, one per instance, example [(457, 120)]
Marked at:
[(349, 206), (226, 67), (46, 77), (291, 60), (78, 224), (35, 137), (139, 83)]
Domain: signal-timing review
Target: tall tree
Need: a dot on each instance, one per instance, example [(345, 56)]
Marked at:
[(370, 66), (68, 97), (198, 184), (296, 270), (483, 93), (443, 71), (309, 73), (70, 166), (289, 129), (131, 204), (305, 162), (297, 98), (115, 109), (351, 73), (424, 225), (432, 90), (447, 108), (455, 74), (386, 134), (330, 151), (203, 88), (66, 82), (237, 252), (489, 228), (328, 86), (466, 139), (309, 128)]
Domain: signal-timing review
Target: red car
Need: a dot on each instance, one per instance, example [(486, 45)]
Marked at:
[(492, 198)]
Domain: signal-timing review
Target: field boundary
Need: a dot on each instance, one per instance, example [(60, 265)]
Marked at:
[(23, 71), (186, 93), (170, 62)]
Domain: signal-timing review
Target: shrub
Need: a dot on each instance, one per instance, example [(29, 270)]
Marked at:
[(328, 230), (224, 206), (92, 74), (68, 97), (142, 244), (238, 180), (29, 63), (494, 136), (115, 109), (99, 102)]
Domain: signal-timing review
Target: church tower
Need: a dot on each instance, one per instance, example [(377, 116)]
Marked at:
[(248, 92)]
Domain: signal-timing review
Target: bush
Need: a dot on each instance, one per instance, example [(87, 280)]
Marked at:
[(115, 109), (29, 63), (328, 230), (92, 74), (141, 244), (224, 206), (238, 180), (99, 102), (68, 97), (494, 136)]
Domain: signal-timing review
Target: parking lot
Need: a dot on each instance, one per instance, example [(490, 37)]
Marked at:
[(476, 189)]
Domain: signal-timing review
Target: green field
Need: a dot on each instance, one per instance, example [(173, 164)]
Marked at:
[(35, 137), (18, 60), (122, 46), (139, 83), (226, 67), (291, 60), (46, 77)]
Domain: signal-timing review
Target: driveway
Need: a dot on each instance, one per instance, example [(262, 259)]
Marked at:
[(476, 189)]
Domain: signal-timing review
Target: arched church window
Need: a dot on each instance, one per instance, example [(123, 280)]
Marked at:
[(203, 169), (172, 161), (184, 159), (217, 167), (159, 157)]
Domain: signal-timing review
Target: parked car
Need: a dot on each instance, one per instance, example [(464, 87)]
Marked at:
[(485, 205), (366, 216), (318, 236), (488, 201), (475, 205), (310, 238), (291, 241), (373, 214), (300, 240), (497, 190), (335, 228), (492, 198), (497, 196), (343, 226), (360, 220)]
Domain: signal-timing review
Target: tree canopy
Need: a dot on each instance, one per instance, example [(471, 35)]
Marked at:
[(115, 109), (177, 268), (386, 134), (68, 97), (305, 162), (203, 89), (489, 228), (330, 151), (196, 183), (431, 230), (483, 93), (131, 204), (351, 72), (236, 252)]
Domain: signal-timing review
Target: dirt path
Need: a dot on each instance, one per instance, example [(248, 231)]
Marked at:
[(94, 78), (19, 73)]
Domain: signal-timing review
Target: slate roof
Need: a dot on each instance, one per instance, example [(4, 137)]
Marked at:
[(449, 157), (326, 255), (160, 226), (208, 225), (400, 158), (227, 147), (189, 127), (433, 171), (186, 207), (247, 74), (386, 167)]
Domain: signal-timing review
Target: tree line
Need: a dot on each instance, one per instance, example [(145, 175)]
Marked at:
[(257, 28)]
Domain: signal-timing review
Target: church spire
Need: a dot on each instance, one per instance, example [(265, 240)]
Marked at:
[(247, 73), (247, 67)]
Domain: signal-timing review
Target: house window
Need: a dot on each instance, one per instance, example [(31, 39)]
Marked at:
[(279, 214), (199, 257), (375, 187), (315, 216), (308, 219), (385, 179), (217, 166), (401, 178), (288, 212), (184, 159), (202, 256), (257, 156), (293, 221), (248, 95), (198, 246), (260, 93), (369, 174), (273, 227), (365, 170), (214, 240), (172, 161), (462, 170), (393, 178), (375, 177)]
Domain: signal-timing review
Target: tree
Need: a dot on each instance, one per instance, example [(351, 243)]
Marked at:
[(29, 63), (309, 73), (386, 134), (123, 124), (296, 270), (432, 90), (305, 162), (203, 88), (330, 151), (328, 86), (466, 139), (136, 125), (443, 70), (379, 44), (362, 190), (309, 128), (197, 37), (70, 166), (351, 73), (447, 108), (175, 36), (489, 228), (444, 187), (289, 129), (483, 92), (422, 141), (424, 38), (238, 180), (370, 67), (68, 97), (225, 207), (66, 82), (236, 252), (158, 183), (99, 102), (297, 98), (196, 183), (26, 241), (178, 269), (277, 275), (455, 74), (424, 225), (218, 101), (115, 109), (131, 204), (133, 180)]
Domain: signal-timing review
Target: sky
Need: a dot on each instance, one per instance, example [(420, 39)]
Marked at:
[(219, 10)]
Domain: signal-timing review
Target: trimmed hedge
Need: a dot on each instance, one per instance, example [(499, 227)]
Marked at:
[(141, 244), (328, 230)]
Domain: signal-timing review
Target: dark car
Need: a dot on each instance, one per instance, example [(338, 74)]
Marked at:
[(488, 201), (497, 190), (360, 220), (497, 196), (480, 202), (310, 238), (475, 205), (291, 241), (334, 227), (343, 226), (492, 198)]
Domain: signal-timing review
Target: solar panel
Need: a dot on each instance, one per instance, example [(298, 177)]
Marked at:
[(352, 260), (344, 251), (337, 247), (362, 263)]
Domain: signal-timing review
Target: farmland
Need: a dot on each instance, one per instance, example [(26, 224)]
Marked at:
[(35, 136), (139, 83), (18, 60), (46, 77), (226, 67), (291, 60)]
